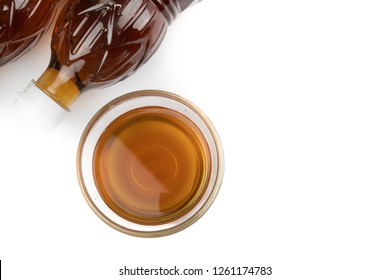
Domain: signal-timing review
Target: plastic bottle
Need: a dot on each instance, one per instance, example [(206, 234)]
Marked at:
[(22, 24), (98, 43)]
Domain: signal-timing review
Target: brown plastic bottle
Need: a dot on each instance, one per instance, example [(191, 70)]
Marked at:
[(98, 43), (22, 24)]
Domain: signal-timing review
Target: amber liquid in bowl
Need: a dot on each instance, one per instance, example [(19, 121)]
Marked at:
[(151, 165)]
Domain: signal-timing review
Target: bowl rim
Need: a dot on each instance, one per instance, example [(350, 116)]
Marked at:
[(219, 168)]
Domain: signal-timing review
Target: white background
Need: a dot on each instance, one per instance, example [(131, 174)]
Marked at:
[(299, 93)]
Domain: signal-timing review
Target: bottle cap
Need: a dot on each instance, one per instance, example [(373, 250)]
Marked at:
[(36, 107)]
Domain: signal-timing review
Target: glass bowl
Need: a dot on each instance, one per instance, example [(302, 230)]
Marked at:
[(150, 163)]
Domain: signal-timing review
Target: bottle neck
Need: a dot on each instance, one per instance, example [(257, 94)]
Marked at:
[(59, 87), (172, 8)]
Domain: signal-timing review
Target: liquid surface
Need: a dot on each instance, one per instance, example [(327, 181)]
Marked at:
[(150, 165), (22, 23)]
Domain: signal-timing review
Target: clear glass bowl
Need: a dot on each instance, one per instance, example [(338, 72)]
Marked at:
[(122, 200)]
